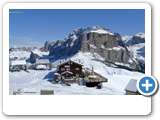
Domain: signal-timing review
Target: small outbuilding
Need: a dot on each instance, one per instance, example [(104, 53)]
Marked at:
[(131, 88), (42, 64), (93, 79), (17, 65)]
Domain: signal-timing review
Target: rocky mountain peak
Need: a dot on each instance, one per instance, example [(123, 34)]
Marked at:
[(135, 39), (98, 30), (96, 39), (140, 35)]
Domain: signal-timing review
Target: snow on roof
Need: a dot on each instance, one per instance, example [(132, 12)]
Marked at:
[(42, 61), (56, 73), (64, 62), (41, 67), (131, 86), (66, 72), (18, 62), (92, 76)]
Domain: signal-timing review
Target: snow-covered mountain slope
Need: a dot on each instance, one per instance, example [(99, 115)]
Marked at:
[(135, 39), (40, 53), (33, 81), (19, 55), (116, 76), (136, 45), (126, 38), (24, 55), (93, 47), (138, 51)]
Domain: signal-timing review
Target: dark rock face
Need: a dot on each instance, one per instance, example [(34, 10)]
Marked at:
[(70, 46), (105, 45), (116, 55), (33, 57), (57, 48), (48, 45), (108, 41)]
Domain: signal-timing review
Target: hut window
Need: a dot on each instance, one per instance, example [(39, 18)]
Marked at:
[(66, 66)]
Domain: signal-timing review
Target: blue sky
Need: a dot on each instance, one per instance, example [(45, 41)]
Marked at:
[(34, 27)]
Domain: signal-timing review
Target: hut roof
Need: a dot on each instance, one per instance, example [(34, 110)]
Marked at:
[(18, 62), (56, 74), (131, 86), (70, 61), (42, 61), (41, 67), (92, 76), (66, 72), (95, 73)]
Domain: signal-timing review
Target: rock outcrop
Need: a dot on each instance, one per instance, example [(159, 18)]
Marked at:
[(106, 45)]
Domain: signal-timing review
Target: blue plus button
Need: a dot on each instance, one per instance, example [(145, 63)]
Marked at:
[(147, 86)]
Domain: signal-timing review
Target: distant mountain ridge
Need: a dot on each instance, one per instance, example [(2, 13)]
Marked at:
[(119, 51)]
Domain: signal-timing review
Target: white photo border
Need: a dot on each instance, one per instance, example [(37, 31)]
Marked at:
[(75, 104)]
